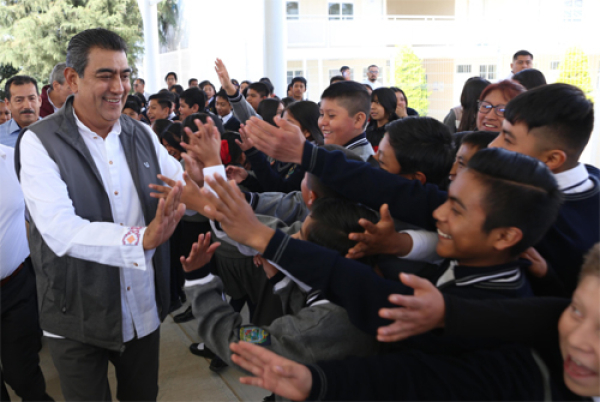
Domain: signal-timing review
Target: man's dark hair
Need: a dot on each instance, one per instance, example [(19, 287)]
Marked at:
[(194, 96), (18, 80), (422, 144), (299, 79), (351, 95), (530, 78), (478, 139), (171, 73), (141, 80), (261, 88), (189, 122), (191, 80), (520, 192), (307, 114), (336, 78), (162, 100), (333, 219), (522, 53), (344, 68), (178, 89), (558, 115), (81, 44), (267, 109), (316, 185), (372, 65)]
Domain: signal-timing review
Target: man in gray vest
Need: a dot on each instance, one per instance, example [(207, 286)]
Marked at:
[(97, 237)]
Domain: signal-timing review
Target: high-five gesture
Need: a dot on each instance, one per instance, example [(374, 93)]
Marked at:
[(168, 214), (235, 214), (205, 143), (284, 143), (200, 254), (224, 77), (272, 372), (190, 194)]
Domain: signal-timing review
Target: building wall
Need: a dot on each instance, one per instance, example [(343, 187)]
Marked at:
[(420, 7)]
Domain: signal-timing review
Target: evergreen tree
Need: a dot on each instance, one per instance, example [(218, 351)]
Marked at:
[(34, 34), (410, 77), (575, 70)]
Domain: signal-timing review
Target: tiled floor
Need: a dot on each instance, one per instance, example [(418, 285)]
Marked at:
[(183, 376)]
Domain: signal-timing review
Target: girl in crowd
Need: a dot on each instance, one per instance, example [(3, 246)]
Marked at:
[(383, 111)]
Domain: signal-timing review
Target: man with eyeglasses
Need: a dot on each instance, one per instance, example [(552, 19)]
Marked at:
[(372, 74), (138, 87)]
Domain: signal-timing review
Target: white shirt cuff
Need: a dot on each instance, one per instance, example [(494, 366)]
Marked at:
[(211, 171)]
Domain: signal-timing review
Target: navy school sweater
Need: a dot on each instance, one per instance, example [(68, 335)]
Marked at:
[(575, 231)]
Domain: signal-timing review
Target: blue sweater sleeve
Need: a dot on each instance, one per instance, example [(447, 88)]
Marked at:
[(345, 282), (269, 179), (409, 200)]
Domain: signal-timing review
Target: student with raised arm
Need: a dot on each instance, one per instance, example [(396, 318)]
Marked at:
[(552, 123), (242, 109)]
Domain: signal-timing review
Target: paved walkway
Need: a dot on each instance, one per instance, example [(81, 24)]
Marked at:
[(183, 376)]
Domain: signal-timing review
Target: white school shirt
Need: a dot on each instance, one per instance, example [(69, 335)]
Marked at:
[(66, 233), (226, 118), (14, 248), (575, 180)]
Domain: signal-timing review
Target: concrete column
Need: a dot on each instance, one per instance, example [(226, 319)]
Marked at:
[(150, 72), (275, 45)]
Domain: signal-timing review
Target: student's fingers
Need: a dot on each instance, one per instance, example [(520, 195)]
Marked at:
[(171, 199), (254, 381), (221, 187), (417, 282), (385, 214), (360, 237), (247, 365), (403, 301), (256, 354), (368, 225)]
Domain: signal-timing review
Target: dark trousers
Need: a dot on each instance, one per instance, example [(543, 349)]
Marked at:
[(83, 369), (20, 338)]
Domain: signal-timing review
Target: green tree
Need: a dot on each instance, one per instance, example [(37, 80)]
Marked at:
[(575, 70), (6, 71), (410, 77), (34, 34)]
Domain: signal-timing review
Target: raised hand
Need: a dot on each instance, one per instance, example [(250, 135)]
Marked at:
[(168, 214), (274, 373), (193, 167), (191, 195), (200, 254), (380, 238), (224, 77), (236, 173), (422, 312), (245, 143), (284, 143), (234, 214), (205, 143)]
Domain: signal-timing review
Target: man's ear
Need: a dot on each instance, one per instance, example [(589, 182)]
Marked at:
[(554, 159), (195, 108), (72, 78), (312, 197), (421, 177), (505, 238)]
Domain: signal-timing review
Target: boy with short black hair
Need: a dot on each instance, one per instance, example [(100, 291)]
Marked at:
[(193, 83), (298, 88), (225, 112), (159, 107), (192, 100), (257, 91)]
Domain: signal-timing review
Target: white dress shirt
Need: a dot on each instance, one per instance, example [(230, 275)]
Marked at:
[(226, 118), (575, 180), (66, 233), (14, 248)]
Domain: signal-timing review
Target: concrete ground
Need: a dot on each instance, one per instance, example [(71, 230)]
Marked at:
[(182, 377)]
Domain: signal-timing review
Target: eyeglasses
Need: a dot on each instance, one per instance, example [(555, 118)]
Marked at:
[(485, 107), (373, 72)]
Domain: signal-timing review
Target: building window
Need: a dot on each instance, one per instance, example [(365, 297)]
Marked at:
[(573, 10), (554, 65), (293, 73), (463, 68), (341, 11), (488, 71), (292, 10)]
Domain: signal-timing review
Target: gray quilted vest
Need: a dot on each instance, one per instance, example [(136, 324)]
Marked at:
[(80, 299)]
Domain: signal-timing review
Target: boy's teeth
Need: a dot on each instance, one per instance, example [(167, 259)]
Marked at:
[(444, 235)]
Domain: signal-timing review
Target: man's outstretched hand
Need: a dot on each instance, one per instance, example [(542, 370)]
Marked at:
[(272, 372), (284, 143), (168, 213)]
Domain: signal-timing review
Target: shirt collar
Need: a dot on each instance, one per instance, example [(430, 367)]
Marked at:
[(573, 180), (226, 118), (355, 139), (84, 130)]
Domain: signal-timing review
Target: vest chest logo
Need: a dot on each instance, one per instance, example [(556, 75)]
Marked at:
[(147, 165), (252, 334), (132, 237)]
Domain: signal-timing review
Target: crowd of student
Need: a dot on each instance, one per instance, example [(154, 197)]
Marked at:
[(382, 255)]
